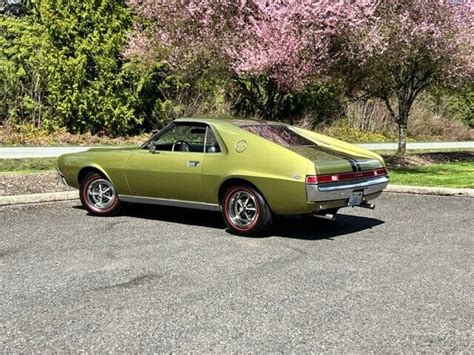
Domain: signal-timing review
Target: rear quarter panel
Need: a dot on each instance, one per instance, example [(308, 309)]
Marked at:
[(277, 172)]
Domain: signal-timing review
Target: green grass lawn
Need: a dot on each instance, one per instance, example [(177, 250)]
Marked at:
[(457, 175), (27, 165)]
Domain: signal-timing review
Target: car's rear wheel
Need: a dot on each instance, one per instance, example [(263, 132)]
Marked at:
[(98, 195), (245, 211)]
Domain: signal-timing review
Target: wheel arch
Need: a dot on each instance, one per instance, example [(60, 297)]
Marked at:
[(83, 172), (236, 181)]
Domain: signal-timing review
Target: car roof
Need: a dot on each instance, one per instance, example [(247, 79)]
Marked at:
[(231, 121)]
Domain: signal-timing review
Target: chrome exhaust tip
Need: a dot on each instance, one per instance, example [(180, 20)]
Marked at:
[(326, 216), (367, 205)]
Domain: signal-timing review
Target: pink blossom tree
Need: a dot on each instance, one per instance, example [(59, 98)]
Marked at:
[(289, 41), (391, 50), (267, 48), (186, 30), (294, 42), (406, 47)]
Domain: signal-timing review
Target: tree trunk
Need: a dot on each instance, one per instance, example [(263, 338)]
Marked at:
[(403, 112), (402, 139)]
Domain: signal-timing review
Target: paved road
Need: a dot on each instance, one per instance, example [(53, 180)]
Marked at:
[(420, 146), (51, 152), (398, 278), (37, 152)]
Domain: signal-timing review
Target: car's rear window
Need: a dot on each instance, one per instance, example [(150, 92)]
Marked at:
[(278, 134)]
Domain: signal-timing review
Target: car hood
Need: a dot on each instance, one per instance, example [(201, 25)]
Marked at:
[(329, 161)]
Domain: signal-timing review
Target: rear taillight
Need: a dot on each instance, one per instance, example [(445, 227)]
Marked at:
[(380, 172), (321, 179)]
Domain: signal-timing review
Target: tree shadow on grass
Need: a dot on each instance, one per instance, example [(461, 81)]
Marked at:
[(293, 227)]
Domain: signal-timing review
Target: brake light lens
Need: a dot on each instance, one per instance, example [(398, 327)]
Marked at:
[(321, 179), (380, 172)]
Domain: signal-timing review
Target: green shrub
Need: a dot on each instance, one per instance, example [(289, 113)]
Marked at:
[(28, 134), (261, 97), (62, 66)]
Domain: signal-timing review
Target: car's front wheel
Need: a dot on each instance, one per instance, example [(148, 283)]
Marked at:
[(98, 195), (245, 211)]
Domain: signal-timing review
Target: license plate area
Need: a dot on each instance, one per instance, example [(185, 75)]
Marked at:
[(355, 199)]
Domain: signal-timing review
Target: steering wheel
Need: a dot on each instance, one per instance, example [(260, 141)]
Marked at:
[(182, 144)]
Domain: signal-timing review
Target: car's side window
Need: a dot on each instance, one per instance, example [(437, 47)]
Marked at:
[(183, 137), (212, 146)]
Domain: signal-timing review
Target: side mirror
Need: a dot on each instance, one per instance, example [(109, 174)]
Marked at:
[(152, 147)]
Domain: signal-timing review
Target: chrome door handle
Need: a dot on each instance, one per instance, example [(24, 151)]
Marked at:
[(193, 163)]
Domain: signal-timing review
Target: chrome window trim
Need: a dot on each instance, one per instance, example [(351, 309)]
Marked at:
[(170, 202), (205, 140), (215, 136), (157, 135), (220, 142)]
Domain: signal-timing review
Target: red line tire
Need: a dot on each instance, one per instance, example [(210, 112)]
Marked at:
[(98, 195), (245, 211)]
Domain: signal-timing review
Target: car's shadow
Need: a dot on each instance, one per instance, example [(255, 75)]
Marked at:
[(295, 227), (313, 228)]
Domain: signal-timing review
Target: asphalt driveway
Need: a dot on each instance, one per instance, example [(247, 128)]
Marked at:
[(398, 278)]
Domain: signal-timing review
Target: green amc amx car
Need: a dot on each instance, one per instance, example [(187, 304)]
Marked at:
[(250, 170)]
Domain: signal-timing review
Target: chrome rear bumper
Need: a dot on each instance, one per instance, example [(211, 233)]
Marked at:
[(342, 190)]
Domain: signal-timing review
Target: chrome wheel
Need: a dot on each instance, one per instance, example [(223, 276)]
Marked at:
[(242, 208), (101, 194)]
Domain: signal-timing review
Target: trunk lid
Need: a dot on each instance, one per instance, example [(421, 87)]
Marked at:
[(329, 161)]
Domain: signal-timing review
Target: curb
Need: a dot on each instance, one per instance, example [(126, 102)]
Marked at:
[(425, 190), (35, 198), (73, 195)]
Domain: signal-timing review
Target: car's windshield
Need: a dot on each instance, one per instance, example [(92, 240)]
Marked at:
[(279, 134)]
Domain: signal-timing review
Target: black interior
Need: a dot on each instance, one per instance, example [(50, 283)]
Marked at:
[(190, 140), (192, 147)]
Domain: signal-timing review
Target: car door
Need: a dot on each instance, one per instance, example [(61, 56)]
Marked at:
[(171, 169)]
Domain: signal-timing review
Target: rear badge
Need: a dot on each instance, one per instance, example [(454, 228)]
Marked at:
[(240, 146)]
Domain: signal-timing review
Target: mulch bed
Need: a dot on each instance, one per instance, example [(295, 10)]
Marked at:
[(20, 184)]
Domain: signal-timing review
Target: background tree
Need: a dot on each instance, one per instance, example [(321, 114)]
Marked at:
[(25, 51), (273, 52), (61, 65), (405, 48)]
